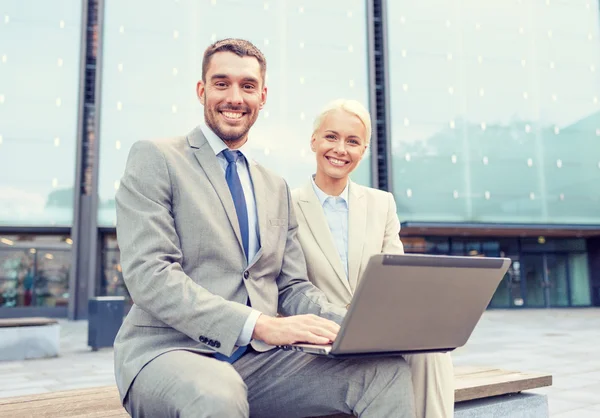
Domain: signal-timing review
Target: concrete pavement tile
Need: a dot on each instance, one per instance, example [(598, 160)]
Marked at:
[(10, 365), (28, 383), (7, 381), (578, 413), (595, 375), (61, 387), (22, 392), (547, 390), (557, 406), (85, 379), (585, 394), (570, 381)]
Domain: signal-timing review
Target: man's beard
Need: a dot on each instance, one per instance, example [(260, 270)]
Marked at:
[(211, 121)]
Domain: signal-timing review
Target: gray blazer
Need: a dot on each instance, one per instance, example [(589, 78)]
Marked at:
[(183, 260)]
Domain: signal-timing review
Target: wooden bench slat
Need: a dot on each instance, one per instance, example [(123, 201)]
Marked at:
[(26, 322), (470, 383), (486, 385), (102, 391)]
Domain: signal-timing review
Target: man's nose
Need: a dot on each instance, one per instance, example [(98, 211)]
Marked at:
[(235, 95)]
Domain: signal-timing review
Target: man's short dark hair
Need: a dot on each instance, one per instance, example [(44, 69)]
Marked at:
[(240, 47)]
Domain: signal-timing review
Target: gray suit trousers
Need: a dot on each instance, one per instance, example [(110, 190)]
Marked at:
[(277, 383)]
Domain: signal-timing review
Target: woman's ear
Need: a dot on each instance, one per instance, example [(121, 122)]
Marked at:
[(312, 143)]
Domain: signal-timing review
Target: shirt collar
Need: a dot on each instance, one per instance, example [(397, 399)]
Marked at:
[(322, 196), (217, 143)]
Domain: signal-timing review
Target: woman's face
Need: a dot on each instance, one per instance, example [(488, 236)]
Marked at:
[(339, 144)]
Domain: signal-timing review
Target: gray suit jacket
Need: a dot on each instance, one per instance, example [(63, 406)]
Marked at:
[(183, 260)]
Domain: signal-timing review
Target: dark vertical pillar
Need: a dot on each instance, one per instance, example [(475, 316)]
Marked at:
[(381, 167), (82, 284)]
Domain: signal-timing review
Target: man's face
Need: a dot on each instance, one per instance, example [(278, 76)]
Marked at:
[(232, 95), (339, 144)]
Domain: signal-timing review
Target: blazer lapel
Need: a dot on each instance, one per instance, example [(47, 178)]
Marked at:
[(260, 197), (357, 228), (209, 163), (315, 218)]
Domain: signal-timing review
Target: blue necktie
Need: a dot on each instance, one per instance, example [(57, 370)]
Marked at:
[(237, 193), (239, 200)]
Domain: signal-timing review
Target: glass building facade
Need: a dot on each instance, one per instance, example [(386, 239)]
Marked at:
[(493, 126)]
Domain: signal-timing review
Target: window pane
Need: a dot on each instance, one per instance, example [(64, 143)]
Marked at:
[(495, 110), (34, 271), (580, 284), (39, 85), (149, 92)]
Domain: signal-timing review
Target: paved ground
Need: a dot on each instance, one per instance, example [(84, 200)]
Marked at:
[(565, 343)]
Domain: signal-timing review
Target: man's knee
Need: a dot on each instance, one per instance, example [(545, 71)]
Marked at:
[(227, 397), (165, 389)]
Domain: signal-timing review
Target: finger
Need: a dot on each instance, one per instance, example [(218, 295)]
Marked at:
[(312, 338), (327, 324), (323, 332)]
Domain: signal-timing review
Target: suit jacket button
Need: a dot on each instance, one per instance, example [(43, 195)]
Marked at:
[(217, 344), (211, 343), (246, 274), (202, 339)]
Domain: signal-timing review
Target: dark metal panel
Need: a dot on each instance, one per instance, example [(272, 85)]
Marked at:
[(30, 312), (35, 230), (384, 71), (491, 225), (593, 246), (80, 155), (379, 94), (85, 228), (372, 69)]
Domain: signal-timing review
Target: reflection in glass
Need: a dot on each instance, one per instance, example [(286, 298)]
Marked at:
[(112, 283), (533, 273), (34, 272), (536, 278), (557, 282), (145, 97), (39, 86), (501, 98), (580, 284)]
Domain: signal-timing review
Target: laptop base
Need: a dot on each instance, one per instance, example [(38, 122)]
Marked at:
[(325, 351)]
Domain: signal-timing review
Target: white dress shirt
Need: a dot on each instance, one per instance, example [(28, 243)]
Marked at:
[(217, 146), (336, 213)]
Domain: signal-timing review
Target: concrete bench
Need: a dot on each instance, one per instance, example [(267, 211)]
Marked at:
[(479, 392), (29, 338)]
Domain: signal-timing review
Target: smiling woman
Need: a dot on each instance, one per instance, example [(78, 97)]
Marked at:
[(341, 136), (342, 224)]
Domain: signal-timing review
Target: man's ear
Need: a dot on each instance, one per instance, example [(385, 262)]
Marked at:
[(263, 97), (200, 89)]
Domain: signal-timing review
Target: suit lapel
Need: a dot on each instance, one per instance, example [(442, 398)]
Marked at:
[(315, 218), (260, 197), (357, 228), (209, 163)]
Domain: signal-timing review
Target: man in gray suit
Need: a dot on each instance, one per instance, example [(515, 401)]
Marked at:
[(210, 257)]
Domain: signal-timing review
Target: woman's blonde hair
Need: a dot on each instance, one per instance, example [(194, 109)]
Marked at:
[(353, 107)]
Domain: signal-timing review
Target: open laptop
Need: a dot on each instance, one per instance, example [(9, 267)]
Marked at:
[(413, 303)]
